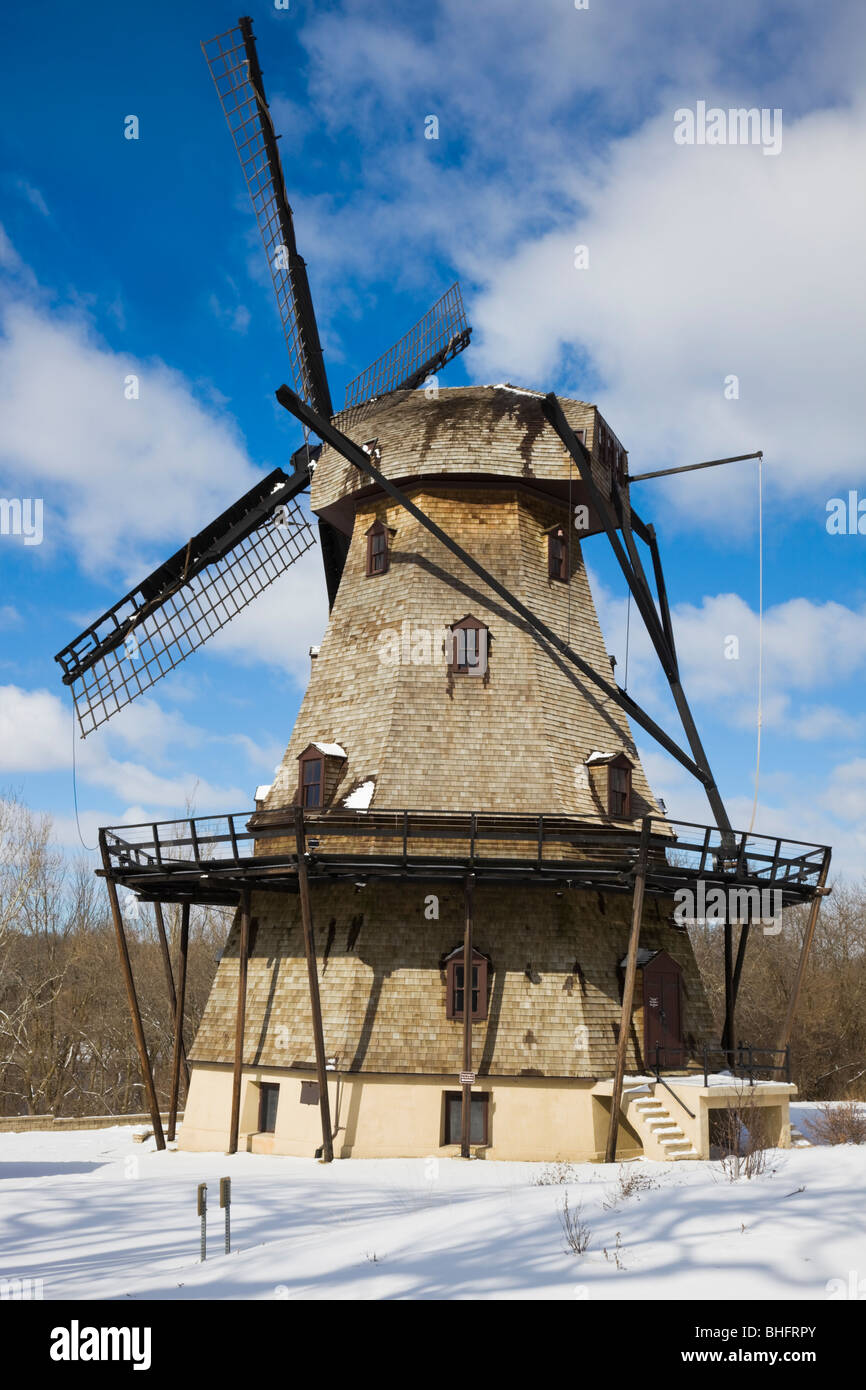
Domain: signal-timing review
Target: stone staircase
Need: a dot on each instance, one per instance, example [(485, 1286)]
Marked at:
[(798, 1139), (661, 1136)]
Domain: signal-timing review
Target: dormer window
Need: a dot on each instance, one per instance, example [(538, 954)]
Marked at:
[(377, 549), (320, 768), (610, 777), (469, 643), (312, 781), (619, 790), (557, 554), (455, 992)]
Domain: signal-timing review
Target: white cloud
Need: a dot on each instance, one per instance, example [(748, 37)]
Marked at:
[(36, 736), (125, 481), (831, 812), (33, 196), (10, 261), (846, 792), (281, 625), (35, 731), (706, 262), (808, 647)]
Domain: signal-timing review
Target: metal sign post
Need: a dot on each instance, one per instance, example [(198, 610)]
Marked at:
[(226, 1203), (202, 1211)]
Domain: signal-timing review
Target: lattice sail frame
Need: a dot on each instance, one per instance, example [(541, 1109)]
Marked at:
[(433, 341), (152, 639), (252, 131)]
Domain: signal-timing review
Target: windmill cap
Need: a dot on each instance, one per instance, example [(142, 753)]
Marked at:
[(465, 436)]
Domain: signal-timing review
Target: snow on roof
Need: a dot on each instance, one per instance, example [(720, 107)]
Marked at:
[(360, 797), (330, 750), (264, 791), (597, 757), (644, 956), (517, 390)]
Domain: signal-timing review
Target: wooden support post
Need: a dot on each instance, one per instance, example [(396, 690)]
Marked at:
[(728, 1029), (820, 892), (132, 998), (169, 980), (313, 976), (177, 1051), (628, 990), (240, 1020), (745, 928), (466, 1107)]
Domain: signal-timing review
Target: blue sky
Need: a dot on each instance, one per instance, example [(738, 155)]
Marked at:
[(555, 130)]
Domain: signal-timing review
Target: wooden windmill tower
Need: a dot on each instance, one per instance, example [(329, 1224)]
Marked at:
[(454, 903)]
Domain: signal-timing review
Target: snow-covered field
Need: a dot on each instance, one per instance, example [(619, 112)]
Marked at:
[(94, 1215)]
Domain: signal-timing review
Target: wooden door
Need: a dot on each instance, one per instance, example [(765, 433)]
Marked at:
[(662, 1011)]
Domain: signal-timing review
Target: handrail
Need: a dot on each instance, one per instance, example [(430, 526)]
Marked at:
[(545, 843)]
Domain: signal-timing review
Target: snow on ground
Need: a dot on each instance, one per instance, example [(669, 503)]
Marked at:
[(96, 1216)]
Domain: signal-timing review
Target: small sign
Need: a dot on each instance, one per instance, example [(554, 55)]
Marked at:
[(467, 1078)]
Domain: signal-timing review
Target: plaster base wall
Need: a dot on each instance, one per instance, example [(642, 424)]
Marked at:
[(377, 1116)]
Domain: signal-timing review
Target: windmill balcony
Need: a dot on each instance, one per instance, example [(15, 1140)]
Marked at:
[(209, 859)]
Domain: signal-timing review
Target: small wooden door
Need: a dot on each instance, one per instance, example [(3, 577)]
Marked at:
[(662, 1010)]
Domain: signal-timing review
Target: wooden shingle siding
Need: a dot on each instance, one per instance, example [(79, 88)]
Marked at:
[(553, 973), (525, 732)]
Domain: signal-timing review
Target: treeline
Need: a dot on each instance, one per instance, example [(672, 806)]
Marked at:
[(828, 1045), (66, 1042)]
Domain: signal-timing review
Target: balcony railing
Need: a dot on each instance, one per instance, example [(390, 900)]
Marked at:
[(258, 848)]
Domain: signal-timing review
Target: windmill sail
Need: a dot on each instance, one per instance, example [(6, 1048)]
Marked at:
[(434, 340), (189, 598), (234, 66)]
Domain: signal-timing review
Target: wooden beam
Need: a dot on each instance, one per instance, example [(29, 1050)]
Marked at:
[(745, 928), (728, 1029), (177, 1050), (132, 997), (169, 980), (313, 976), (350, 451), (628, 990), (466, 1107), (240, 1019), (661, 587), (629, 563), (691, 467), (821, 891)]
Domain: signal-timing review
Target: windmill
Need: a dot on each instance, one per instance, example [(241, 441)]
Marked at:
[(459, 505)]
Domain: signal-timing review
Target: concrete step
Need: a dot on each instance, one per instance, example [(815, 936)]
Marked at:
[(651, 1116)]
